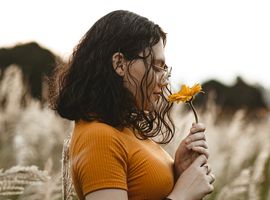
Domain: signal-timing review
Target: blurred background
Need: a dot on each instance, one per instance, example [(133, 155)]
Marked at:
[(224, 45)]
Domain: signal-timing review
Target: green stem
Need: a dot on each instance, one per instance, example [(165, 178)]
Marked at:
[(194, 111)]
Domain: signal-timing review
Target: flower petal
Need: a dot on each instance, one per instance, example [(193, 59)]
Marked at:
[(186, 93)]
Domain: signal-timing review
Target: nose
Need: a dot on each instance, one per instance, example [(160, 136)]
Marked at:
[(164, 79)]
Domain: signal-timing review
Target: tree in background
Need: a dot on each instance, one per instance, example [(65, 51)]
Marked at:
[(34, 61)]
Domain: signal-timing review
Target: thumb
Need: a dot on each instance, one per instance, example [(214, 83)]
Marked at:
[(200, 161)]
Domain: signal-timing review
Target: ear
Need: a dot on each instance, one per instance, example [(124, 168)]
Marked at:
[(118, 63)]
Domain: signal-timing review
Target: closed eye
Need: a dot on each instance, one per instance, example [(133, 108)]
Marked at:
[(160, 69)]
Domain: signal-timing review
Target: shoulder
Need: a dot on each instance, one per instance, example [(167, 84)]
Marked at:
[(87, 134), (94, 129), (99, 157)]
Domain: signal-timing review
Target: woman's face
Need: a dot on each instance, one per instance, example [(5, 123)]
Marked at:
[(136, 77)]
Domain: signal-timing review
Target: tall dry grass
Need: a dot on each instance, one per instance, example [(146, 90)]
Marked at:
[(239, 152), (32, 137)]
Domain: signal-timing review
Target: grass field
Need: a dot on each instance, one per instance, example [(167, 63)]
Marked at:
[(31, 142)]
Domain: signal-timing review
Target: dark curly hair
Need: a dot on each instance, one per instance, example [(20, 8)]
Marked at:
[(88, 88)]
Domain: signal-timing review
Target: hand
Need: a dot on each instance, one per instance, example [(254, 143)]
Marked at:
[(195, 182), (190, 148)]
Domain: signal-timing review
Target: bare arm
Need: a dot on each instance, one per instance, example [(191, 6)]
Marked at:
[(195, 183), (106, 194)]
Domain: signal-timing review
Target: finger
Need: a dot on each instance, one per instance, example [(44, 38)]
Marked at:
[(199, 161), (201, 150), (195, 136), (210, 178), (205, 168), (198, 143), (210, 189), (199, 127), (208, 168)]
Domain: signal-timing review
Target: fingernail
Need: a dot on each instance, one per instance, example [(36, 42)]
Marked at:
[(193, 129)]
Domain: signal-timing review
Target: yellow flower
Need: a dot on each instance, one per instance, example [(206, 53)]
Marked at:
[(186, 93)]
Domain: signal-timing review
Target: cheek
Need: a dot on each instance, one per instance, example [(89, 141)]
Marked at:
[(152, 82), (133, 77), (149, 84), (132, 82)]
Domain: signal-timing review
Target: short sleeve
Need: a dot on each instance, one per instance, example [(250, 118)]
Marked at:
[(101, 160)]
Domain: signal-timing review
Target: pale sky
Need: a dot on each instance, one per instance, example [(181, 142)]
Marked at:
[(206, 38)]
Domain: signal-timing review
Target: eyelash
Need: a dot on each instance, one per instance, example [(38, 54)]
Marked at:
[(159, 69)]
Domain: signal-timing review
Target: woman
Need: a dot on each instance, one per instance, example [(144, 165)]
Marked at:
[(115, 89)]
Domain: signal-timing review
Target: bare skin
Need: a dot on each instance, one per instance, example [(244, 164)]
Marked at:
[(189, 149), (192, 172), (193, 184)]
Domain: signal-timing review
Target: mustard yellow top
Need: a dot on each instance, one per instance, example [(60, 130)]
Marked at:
[(104, 157)]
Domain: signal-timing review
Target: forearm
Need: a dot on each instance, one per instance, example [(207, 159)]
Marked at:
[(177, 171)]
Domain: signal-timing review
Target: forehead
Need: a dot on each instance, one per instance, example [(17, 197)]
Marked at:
[(158, 51)]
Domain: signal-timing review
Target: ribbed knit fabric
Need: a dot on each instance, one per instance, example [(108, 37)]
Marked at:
[(104, 157)]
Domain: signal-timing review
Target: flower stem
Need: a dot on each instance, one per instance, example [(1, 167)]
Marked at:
[(194, 111)]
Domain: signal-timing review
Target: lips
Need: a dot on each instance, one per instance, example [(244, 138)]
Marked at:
[(157, 95), (159, 92)]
